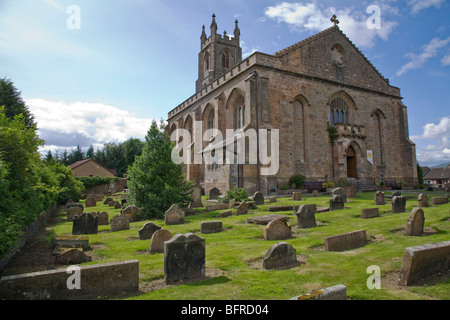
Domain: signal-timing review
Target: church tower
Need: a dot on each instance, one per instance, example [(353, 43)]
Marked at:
[(217, 54)]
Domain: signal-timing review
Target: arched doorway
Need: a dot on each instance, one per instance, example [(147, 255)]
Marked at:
[(351, 162)]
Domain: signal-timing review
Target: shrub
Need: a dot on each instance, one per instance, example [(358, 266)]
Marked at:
[(298, 181), (238, 194)]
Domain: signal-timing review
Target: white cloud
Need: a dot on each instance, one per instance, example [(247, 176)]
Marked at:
[(311, 17), (446, 60), (65, 125), (429, 51), (419, 5)]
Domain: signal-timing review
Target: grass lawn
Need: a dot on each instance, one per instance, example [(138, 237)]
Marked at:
[(234, 256)]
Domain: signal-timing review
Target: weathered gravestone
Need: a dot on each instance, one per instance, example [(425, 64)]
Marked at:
[(423, 201), (211, 226), (131, 212), (158, 239), (184, 258), (259, 198), (108, 200), (119, 223), (277, 230), (338, 292), (280, 208), (90, 202), (379, 198), (336, 203), (67, 241), (196, 196), (225, 214), (369, 213), (341, 192), (424, 261), (351, 192), (214, 194), (272, 189), (439, 200), (296, 196), (346, 241), (242, 208), (272, 199), (280, 256), (265, 219), (315, 193), (146, 232), (175, 215), (71, 212), (306, 216), (103, 218), (85, 224), (398, 204), (415, 223)]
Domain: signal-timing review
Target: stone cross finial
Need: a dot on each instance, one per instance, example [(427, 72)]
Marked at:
[(334, 20)]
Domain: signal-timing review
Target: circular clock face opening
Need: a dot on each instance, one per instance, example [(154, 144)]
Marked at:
[(338, 55)]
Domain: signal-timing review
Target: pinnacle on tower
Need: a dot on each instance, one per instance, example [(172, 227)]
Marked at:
[(237, 32), (213, 25)]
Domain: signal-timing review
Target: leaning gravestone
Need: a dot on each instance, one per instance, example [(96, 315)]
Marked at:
[(277, 230), (306, 216), (280, 255), (147, 231), (85, 224), (131, 212), (184, 258), (423, 200), (336, 203), (415, 223), (265, 219), (379, 198), (346, 241), (119, 223), (259, 198), (341, 192), (175, 215), (398, 204), (72, 212), (242, 208), (158, 239), (214, 194)]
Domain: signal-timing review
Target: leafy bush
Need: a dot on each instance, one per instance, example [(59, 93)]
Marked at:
[(96, 181), (298, 181), (238, 194)]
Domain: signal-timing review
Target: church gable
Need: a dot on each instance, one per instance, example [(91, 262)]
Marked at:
[(331, 55)]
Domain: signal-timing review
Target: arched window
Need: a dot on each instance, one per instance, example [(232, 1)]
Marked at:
[(338, 111), (239, 116), (226, 59), (206, 61)]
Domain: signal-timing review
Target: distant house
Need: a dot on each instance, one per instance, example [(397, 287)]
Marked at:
[(91, 168), (437, 177)]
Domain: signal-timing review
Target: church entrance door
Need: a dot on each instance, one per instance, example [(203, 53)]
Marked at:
[(351, 162)]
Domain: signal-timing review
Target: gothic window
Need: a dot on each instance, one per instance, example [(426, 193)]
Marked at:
[(338, 111), (226, 59), (239, 117), (206, 61)]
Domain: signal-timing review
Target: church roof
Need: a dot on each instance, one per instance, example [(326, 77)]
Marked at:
[(321, 34)]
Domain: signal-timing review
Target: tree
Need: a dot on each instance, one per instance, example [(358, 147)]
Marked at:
[(90, 153), (11, 99), (77, 154), (154, 180)]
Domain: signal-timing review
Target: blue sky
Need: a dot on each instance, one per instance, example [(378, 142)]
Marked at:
[(130, 61)]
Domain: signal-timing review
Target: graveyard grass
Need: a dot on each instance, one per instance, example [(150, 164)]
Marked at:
[(234, 256)]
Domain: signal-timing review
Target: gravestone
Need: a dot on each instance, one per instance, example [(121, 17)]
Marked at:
[(280, 255), (439, 200), (103, 218), (306, 216), (272, 189), (119, 223), (214, 194), (85, 224), (225, 214), (398, 204), (184, 258), (379, 198), (242, 208), (351, 192), (396, 193), (346, 241), (108, 200), (72, 212), (211, 226), (146, 232), (90, 202), (415, 223), (338, 292), (117, 205), (277, 230), (297, 196), (217, 206), (265, 219), (196, 196), (341, 192), (70, 256), (336, 203), (259, 198), (158, 239), (70, 242), (315, 193), (272, 199), (280, 208), (423, 200), (369, 213), (130, 212), (175, 215)]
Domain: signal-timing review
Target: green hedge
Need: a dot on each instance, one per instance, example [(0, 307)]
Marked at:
[(96, 181)]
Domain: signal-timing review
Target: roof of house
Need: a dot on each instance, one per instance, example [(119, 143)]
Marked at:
[(437, 173), (79, 163)]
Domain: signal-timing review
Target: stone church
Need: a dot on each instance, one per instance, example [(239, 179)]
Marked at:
[(300, 92)]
